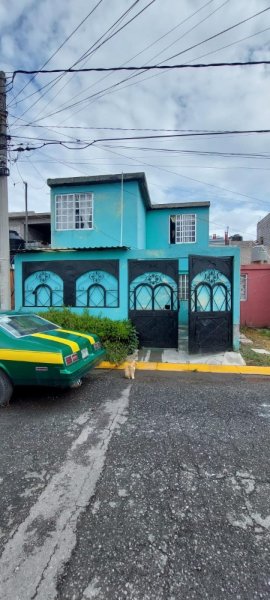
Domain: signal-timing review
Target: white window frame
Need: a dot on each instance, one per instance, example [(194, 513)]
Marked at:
[(66, 215), (183, 286), (183, 234), (243, 292)]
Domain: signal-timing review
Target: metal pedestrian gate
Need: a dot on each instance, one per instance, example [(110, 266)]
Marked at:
[(210, 304), (153, 302)]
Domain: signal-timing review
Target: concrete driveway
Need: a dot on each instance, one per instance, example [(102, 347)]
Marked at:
[(155, 489)]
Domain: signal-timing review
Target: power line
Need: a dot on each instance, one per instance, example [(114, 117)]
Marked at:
[(95, 47), (52, 84), (144, 50), (221, 225), (105, 91), (193, 179), (146, 67), (212, 37), (101, 92), (56, 52), (100, 43), (154, 137)]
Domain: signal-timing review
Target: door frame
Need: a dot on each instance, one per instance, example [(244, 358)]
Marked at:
[(160, 317)]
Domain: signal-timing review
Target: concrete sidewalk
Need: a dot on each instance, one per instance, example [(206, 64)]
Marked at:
[(172, 359), (203, 367), (174, 356)]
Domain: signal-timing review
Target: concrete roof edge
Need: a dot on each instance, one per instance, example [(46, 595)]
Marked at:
[(113, 178), (180, 205), (31, 213)]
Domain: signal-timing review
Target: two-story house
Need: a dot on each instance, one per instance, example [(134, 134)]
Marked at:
[(117, 254)]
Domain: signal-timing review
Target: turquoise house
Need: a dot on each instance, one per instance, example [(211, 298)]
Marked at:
[(117, 254)]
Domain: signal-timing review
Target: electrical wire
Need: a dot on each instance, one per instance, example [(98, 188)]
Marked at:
[(97, 45), (147, 47), (136, 74), (56, 52), (160, 65), (243, 63), (150, 183), (167, 136), (53, 83), (102, 94), (194, 180)]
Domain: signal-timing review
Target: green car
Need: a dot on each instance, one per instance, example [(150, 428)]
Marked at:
[(34, 351)]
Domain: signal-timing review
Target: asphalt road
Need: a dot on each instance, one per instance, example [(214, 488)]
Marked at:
[(157, 489)]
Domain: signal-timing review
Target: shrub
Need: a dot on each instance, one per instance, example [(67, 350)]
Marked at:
[(119, 338)]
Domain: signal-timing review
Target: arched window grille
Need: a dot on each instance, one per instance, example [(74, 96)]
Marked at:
[(96, 296), (97, 289), (43, 289), (153, 291), (210, 292)]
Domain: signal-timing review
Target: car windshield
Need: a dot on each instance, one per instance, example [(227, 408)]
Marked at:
[(20, 325)]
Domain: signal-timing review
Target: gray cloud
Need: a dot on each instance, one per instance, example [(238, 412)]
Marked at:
[(212, 99)]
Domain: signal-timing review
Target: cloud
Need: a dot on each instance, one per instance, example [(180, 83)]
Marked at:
[(230, 171)]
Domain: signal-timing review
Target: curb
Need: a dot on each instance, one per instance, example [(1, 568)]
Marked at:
[(198, 367)]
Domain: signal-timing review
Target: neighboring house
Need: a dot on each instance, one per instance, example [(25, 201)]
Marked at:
[(39, 227), (118, 255), (263, 231), (255, 290), (246, 247)]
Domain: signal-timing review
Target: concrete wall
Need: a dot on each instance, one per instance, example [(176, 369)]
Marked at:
[(158, 229), (177, 251), (106, 217), (255, 310), (263, 231)]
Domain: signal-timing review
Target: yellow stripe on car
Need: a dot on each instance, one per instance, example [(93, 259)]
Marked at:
[(53, 358), (88, 337), (73, 345)]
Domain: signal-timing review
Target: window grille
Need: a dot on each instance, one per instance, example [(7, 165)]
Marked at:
[(74, 211), (183, 229), (243, 287), (97, 289), (183, 287), (210, 292), (43, 288), (153, 291)]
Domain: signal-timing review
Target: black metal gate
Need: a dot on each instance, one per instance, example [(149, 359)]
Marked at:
[(153, 302), (210, 304)]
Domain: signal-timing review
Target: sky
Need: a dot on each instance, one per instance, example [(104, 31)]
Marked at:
[(87, 111)]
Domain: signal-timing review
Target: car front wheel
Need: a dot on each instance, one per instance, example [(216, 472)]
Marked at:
[(6, 389)]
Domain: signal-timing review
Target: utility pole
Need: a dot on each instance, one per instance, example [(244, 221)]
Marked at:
[(26, 213), (5, 300)]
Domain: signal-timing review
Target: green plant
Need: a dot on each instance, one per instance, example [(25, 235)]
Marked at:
[(119, 338), (253, 358)]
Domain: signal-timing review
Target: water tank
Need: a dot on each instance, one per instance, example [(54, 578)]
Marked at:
[(259, 254), (236, 237)]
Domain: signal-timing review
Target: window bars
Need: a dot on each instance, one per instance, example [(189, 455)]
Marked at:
[(74, 211)]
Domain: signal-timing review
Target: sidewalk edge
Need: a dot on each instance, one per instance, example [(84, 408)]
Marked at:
[(198, 367)]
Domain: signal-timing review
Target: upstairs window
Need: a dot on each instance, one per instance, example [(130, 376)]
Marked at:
[(182, 229), (74, 211)]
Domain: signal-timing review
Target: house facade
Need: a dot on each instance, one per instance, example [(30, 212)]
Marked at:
[(38, 227), (263, 230), (118, 255)]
